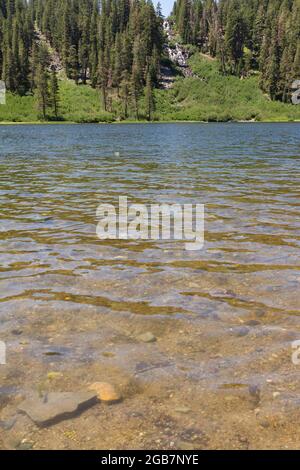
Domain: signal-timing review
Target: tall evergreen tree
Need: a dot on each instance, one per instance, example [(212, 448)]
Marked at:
[(54, 93), (235, 36), (124, 92), (42, 90), (149, 98)]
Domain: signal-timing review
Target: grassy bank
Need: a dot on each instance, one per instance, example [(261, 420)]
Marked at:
[(210, 97), (214, 97), (77, 104)]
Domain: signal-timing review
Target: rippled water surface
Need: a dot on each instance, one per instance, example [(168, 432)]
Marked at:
[(224, 317)]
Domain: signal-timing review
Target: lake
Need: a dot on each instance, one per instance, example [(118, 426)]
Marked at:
[(74, 309)]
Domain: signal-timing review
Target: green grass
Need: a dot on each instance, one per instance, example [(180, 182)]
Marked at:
[(18, 109), (77, 104), (81, 104), (214, 97), (210, 97)]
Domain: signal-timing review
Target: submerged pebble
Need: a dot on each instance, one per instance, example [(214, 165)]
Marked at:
[(254, 390), (147, 337), (253, 323), (25, 445), (264, 423), (16, 332), (241, 331), (106, 392)]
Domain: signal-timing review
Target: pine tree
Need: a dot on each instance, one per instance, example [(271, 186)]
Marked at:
[(117, 70), (235, 36), (93, 56), (136, 76), (124, 92), (183, 19), (285, 74), (149, 98), (296, 64), (73, 64), (272, 75), (42, 90), (54, 93), (136, 89), (102, 78), (257, 36), (41, 81)]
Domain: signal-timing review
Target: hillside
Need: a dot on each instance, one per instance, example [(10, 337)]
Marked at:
[(215, 97), (122, 61), (211, 97)]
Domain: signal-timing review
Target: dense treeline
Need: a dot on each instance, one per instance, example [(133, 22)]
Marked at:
[(111, 44), (16, 35), (116, 46), (246, 35)]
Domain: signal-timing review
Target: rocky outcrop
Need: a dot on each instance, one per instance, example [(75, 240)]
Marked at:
[(178, 55), (55, 62), (166, 77)]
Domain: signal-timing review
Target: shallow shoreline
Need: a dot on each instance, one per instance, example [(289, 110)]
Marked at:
[(37, 123), (197, 345)]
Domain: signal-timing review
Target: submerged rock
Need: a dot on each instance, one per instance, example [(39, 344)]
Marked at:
[(8, 424), (56, 406), (25, 445), (253, 323), (264, 423), (147, 337), (106, 392), (254, 392), (241, 331), (16, 331)]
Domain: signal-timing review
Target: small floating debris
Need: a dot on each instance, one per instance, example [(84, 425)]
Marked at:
[(182, 409), (52, 350), (232, 385), (52, 353), (108, 354)]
